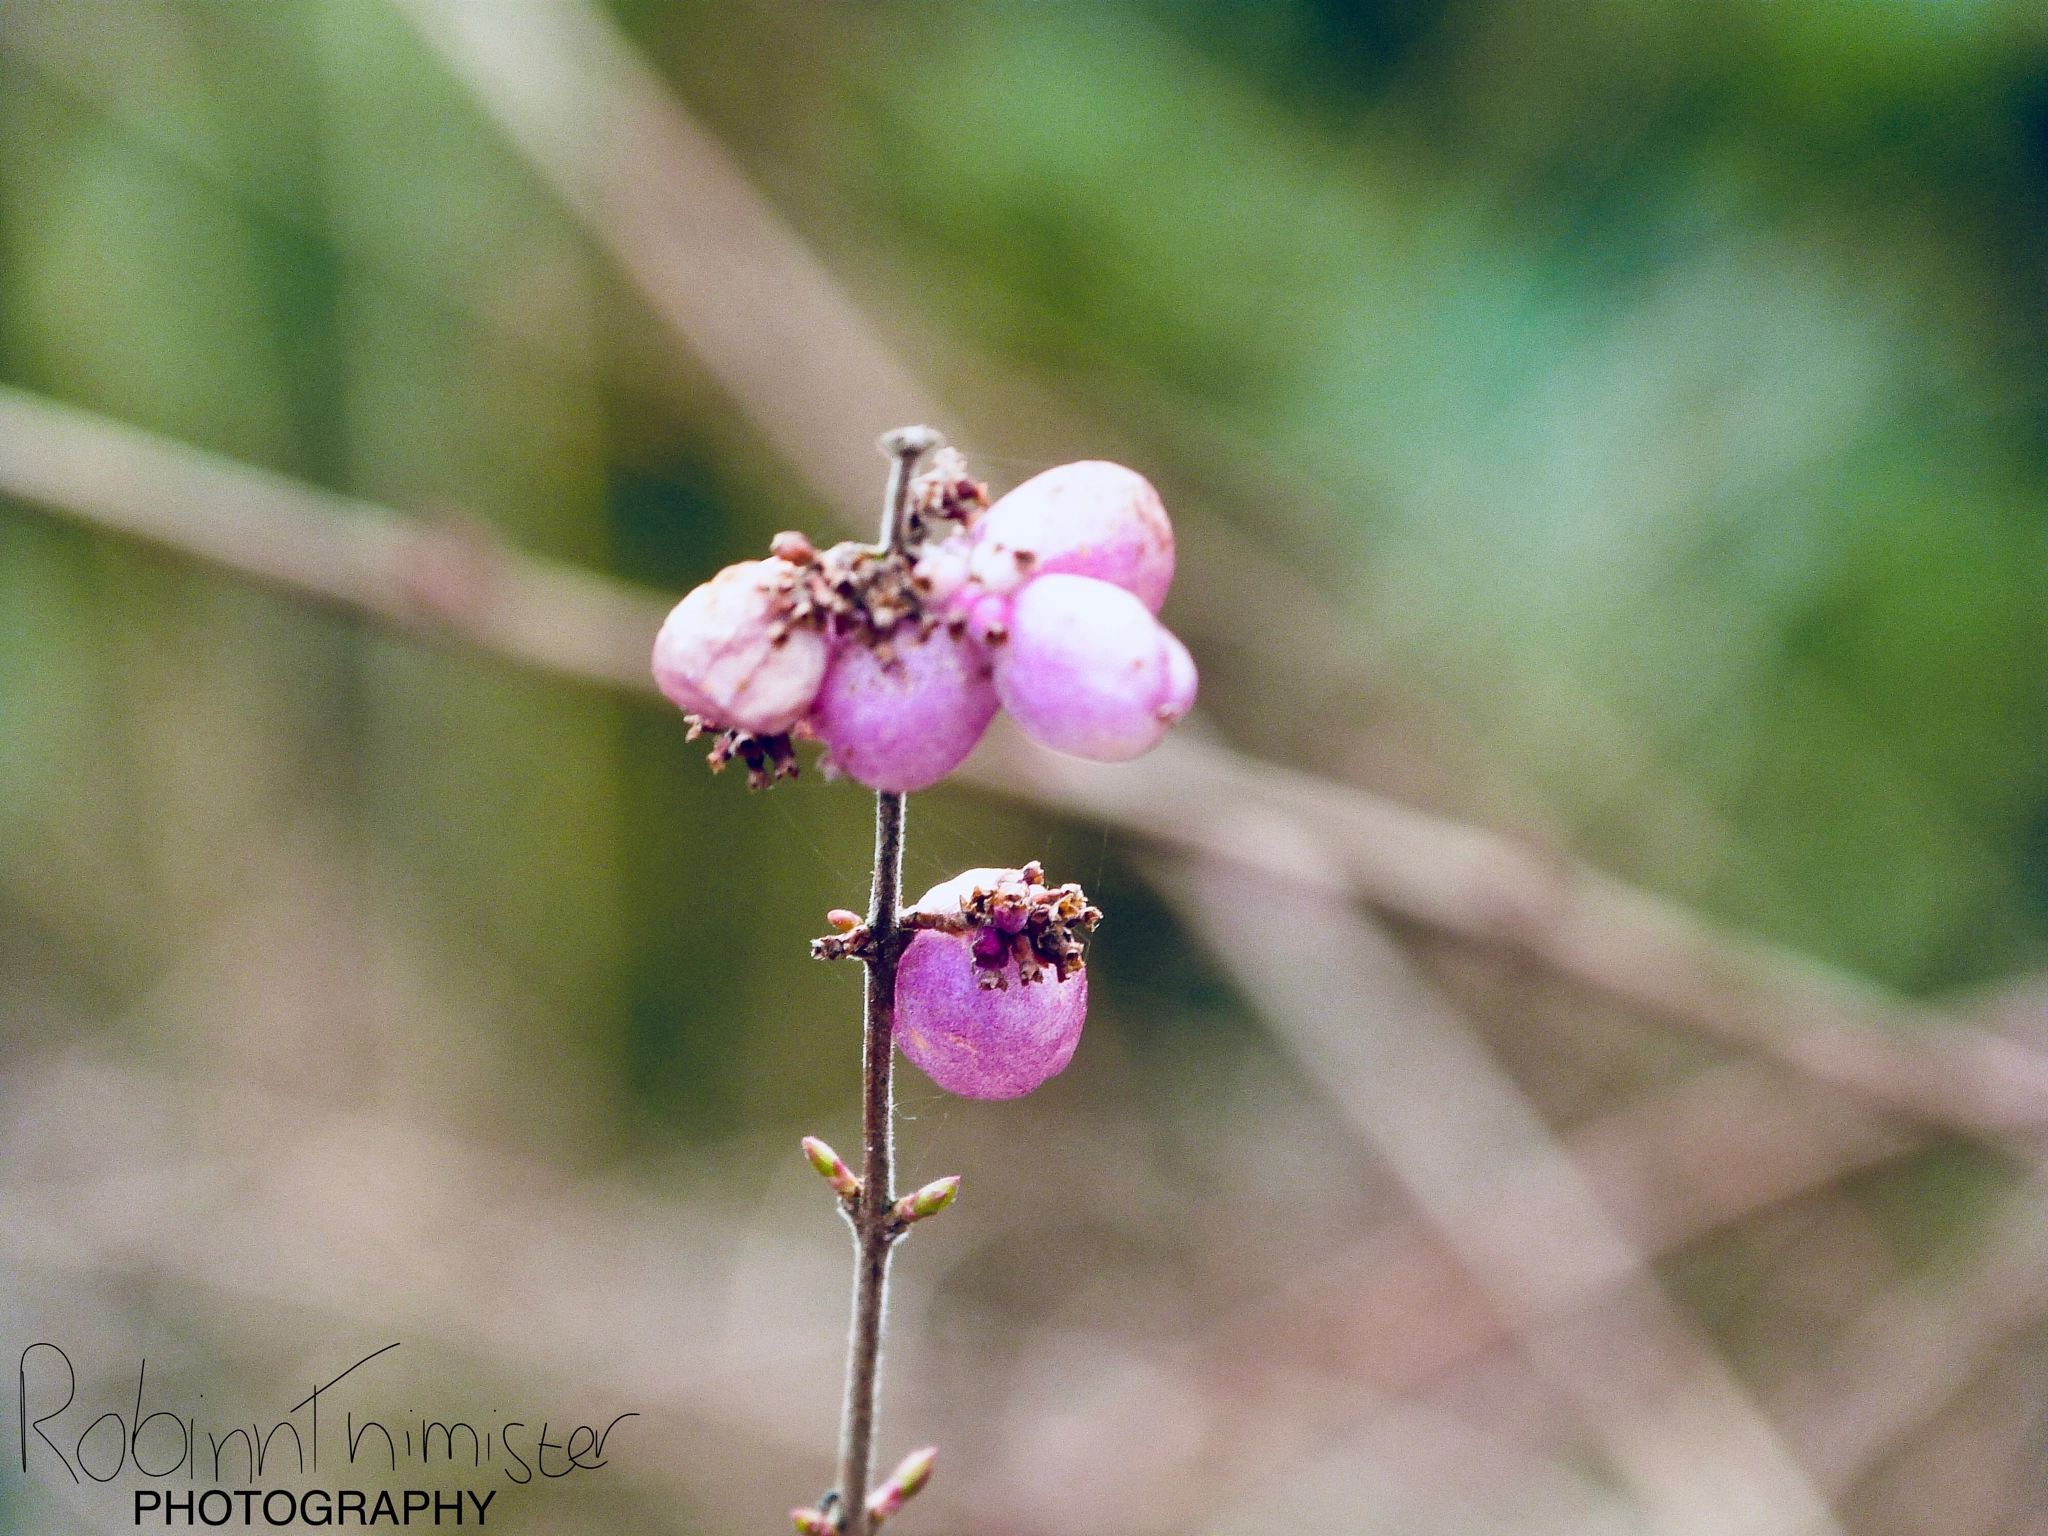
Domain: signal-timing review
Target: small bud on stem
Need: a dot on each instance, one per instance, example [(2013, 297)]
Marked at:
[(833, 1169), (905, 1483), (929, 1201)]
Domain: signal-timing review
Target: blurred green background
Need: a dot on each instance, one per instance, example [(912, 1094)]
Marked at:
[(1622, 424)]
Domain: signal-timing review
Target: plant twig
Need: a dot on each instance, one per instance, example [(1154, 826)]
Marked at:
[(1909, 1355), (869, 1211), (1492, 1179), (874, 1228)]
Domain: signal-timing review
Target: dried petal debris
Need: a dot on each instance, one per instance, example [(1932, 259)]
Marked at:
[(1017, 916), (768, 758)]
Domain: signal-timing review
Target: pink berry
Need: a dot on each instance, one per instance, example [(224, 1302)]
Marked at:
[(1093, 518), (982, 1042), (905, 725), (1087, 671), (941, 571), (988, 618), (725, 652), (1182, 680)]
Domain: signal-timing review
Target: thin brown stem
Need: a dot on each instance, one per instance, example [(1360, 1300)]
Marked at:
[(872, 1230), (874, 1233)]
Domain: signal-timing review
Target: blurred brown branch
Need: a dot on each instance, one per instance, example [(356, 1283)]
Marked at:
[(1511, 1204), (1189, 793), (739, 287), (1669, 1168), (1623, 942), (1398, 1313), (256, 1200), (403, 570), (1906, 1357)]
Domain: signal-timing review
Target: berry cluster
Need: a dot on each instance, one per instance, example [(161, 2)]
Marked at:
[(1042, 604)]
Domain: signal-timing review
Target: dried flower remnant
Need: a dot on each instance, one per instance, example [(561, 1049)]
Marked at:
[(1014, 920), (850, 591), (768, 758), (945, 493)]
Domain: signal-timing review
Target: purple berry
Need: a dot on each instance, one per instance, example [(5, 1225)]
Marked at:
[(727, 653), (907, 724), (988, 618), (941, 571), (1093, 518), (1182, 680), (983, 1042), (1087, 671)]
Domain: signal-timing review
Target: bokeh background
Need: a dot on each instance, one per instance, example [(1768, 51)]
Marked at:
[(1603, 437)]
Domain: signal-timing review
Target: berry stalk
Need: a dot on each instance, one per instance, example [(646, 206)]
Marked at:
[(871, 1210)]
